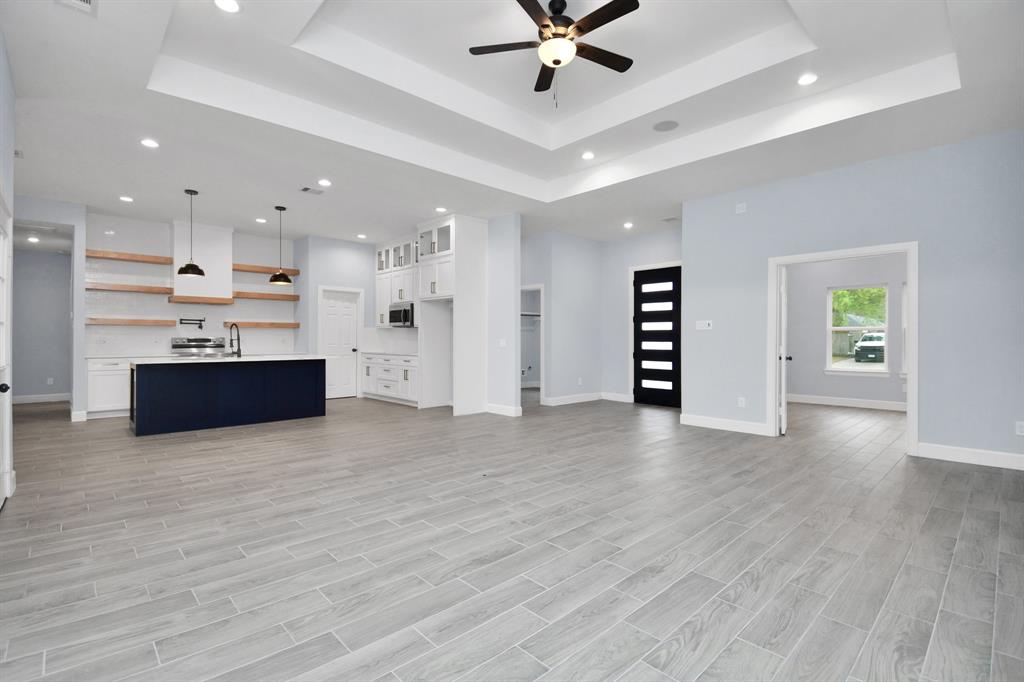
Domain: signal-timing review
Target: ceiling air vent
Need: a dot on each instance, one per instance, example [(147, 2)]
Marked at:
[(86, 6), (311, 190)]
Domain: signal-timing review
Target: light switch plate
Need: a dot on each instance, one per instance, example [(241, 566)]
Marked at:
[(703, 324), (1020, 428)]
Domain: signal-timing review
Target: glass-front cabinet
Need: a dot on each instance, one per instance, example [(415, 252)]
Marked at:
[(383, 259), (436, 241), (403, 254)]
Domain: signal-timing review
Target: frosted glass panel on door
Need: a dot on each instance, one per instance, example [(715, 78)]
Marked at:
[(656, 286), (657, 306), (656, 326), (444, 239), (426, 242), (656, 345), (654, 383)]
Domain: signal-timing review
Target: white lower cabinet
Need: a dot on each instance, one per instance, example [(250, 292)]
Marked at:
[(437, 278), (390, 377), (109, 385)]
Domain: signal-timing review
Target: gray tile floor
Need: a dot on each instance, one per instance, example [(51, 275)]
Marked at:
[(596, 541)]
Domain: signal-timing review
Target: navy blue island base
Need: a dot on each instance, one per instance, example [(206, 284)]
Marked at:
[(186, 396)]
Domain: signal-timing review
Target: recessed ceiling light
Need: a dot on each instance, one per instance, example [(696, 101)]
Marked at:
[(230, 6), (360, 236), (587, 155), (34, 240), (126, 200), (149, 142), (807, 78), (628, 226), (261, 220), (323, 182), (109, 232), (665, 126), (440, 209)]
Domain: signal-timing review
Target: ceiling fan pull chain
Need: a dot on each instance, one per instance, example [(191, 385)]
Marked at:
[(554, 91)]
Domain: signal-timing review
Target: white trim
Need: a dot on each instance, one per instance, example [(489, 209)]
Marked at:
[(43, 398), (847, 402), (543, 342), (954, 453), (554, 401), (79, 416), (359, 324), (633, 269), (772, 335), (738, 425), (106, 414), (617, 397), (505, 410), (858, 373)]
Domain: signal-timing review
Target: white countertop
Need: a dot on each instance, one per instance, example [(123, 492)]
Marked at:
[(244, 358)]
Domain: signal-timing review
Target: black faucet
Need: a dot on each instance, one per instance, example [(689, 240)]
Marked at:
[(236, 350)]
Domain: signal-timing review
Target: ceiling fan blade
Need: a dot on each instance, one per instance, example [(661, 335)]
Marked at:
[(536, 12), (503, 47), (613, 61), (602, 15), (547, 74)]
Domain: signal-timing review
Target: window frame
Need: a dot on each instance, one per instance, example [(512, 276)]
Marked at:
[(885, 370)]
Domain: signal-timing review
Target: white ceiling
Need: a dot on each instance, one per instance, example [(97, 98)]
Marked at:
[(248, 108)]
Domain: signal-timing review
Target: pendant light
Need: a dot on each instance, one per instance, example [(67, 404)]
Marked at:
[(190, 269), (280, 277)]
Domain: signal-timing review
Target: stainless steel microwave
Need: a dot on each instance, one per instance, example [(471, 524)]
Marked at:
[(400, 315)]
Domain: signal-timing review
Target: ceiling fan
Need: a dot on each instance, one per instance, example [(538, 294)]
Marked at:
[(558, 33)]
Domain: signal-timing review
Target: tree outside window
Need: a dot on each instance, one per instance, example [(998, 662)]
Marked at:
[(857, 329)]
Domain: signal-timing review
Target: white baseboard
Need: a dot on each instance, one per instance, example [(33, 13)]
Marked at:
[(989, 458), (43, 398), (756, 428), (8, 483), (529, 384), (617, 397), (554, 401), (505, 410), (79, 416), (894, 405), (106, 414)]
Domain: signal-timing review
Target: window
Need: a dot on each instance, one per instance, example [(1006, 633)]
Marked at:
[(857, 329)]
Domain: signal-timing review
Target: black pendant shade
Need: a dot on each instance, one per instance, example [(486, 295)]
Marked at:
[(280, 277), (190, 269)]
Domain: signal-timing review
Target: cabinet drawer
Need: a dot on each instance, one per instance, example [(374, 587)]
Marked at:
[(387, 387), (388, 372), (109, 364)]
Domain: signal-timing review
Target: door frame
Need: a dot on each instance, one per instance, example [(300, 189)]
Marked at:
[(910, 251), (8, 479), (543, 340), (360, 314), (633, 269)]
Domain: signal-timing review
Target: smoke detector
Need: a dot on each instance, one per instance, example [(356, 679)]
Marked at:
[(84, 6)]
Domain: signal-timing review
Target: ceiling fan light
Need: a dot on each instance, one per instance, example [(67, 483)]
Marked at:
[(556, 52)]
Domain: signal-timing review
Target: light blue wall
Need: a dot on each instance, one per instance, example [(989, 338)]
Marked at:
[(617, 258), (963, 204), (6, 127), (808, 342), (41, 323), (330, 262), (504, 243)]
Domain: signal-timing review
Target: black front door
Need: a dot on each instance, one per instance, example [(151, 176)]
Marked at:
[(656, 330)]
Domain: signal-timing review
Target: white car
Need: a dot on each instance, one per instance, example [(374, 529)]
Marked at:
[(870, 347)]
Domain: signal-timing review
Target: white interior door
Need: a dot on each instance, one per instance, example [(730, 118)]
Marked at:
[(339, 329), (6, 448), (783, 404)]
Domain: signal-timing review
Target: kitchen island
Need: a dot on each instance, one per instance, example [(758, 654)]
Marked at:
[(186, 394)]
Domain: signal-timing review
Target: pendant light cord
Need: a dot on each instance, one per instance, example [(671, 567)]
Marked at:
[(190, 227), (280, 258)]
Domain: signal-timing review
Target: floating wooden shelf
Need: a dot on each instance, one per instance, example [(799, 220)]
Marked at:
[(263, 296), (131, 257), (132, 288), (209, 300), (263, 269), (263, 325), (130, 322)]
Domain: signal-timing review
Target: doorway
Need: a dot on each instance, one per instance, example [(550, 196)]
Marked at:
[(656, 333), (531, 346), (339, 319), (868, 333)]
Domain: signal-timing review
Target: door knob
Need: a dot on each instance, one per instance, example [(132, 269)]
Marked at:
[(789, 357), (354, 350), (4, 388)]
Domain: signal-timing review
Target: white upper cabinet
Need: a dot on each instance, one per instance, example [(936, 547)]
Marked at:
[(437, 278), (403, 283), (384, 259), (382, 299), (403, 254), (436, 241)]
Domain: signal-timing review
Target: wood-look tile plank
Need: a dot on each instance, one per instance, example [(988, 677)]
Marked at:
[(666, 610), (742, 661), (606, 657), (826, 653), (560, 639), (686, 653), (917, 592), (961, 649), (895, 649), (779, 626)]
